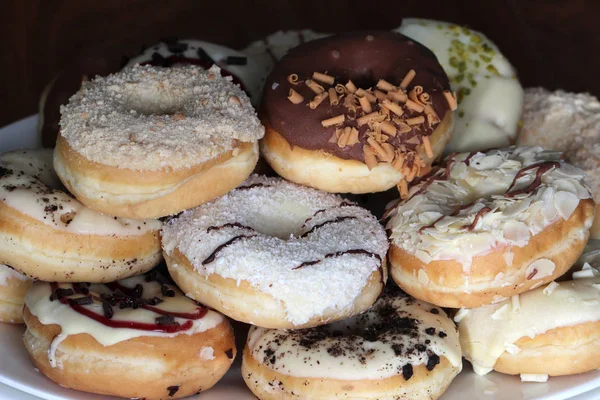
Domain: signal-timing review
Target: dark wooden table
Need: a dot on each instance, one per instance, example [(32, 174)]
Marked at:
[(553, 43)]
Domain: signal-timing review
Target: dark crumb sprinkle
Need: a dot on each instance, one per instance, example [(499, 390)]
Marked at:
[(430, 331), (229, 353), (442, 334), (432, 361), (434, 311), (172, 390), (407, 371)]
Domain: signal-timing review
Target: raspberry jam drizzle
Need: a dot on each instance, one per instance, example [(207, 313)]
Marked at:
[(123, 295)]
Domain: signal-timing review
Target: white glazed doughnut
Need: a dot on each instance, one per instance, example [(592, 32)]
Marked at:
[(13, 287), (150, 142), (47, 234), (487, 226), (135, 338), (490, 96), (247, 70), (278, 255), (567, 122), (552, 330), (401, 348)]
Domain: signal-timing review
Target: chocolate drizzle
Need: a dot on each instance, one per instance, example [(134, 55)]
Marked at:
[(123, 297), (216, 252), (478, 216), (338, 254), (333, 221), (228, 225), (342, 204), (254, 185), (542, 168)]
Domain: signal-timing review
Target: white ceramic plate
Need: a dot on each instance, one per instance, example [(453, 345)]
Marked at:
[(17, 371)]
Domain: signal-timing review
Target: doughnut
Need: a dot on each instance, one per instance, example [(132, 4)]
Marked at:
[(568, 122), (48, 235), (487, 226), (550, 331), (341, 116), (278, 255), (488, 91), (13, 287), (135, 338), (401, 348), (149, 142), (247, 71)]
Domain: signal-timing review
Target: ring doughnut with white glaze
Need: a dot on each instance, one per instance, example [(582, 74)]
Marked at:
[(401, 348), (487, 226), (47, 234), (13, 287), (149, 142), (278, 255), (550, 331), (135, 338)]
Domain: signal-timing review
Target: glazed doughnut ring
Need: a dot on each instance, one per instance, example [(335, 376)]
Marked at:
[(48, 235), (135, 338), (356, 112), (149, 142), (487, 226), (278, 255), (13, 287), (401, 348), (552, 330)]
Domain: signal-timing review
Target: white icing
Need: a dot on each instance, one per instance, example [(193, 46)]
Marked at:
[(32, 187), (485, 337), (276, 212), (151, 118), (490, 96), (73, 323), (7, 273), (512, 220), (359, 359), (207, 353)]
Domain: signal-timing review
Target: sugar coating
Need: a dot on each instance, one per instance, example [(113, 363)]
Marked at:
[(152, 118), (431, 224), (276, 212), (568, 122)]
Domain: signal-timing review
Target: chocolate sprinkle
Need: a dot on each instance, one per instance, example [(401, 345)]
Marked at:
[(107, 309), (167, 291), (166, 320), (82, 301), (59, 293), (172, 390)]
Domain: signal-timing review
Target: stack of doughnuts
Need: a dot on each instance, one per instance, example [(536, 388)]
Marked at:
[(156, 162)]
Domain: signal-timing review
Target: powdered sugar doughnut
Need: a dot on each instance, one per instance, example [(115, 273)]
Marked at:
[(135, 338), (401, 348), (47, 234), (13, 287), (278, 255), (487, 226), (150, 141)]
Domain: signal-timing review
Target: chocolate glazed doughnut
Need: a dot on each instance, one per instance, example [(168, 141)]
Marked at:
[(379, 112)]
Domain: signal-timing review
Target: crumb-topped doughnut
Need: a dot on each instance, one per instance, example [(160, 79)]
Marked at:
[(567, 122), (356, 112), (47, 234), (13, 287), (550, 331), (486, 226), (488, 92), (150, 141), (278, 255), (141, 335), (400, 348)]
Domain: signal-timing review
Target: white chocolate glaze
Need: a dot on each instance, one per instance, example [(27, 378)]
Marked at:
[(72, 322), (397, 331), (152, 118), (286, 225), (29, 185), (490, 96), (250, 69), (7, 273), (479, 182), (488, 331)]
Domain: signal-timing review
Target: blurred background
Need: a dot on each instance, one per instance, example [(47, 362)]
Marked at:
[(552, 43)]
